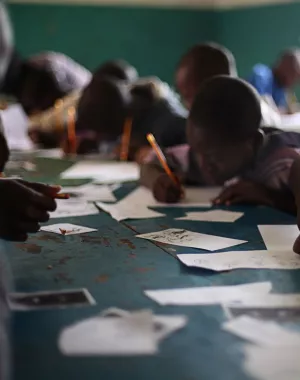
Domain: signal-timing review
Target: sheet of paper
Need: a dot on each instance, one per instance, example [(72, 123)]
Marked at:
[(271, 300), (272, 363), (90, 193), (224, 261), (194, 197), (130, 335), (184, 238), (104, 172), (207, 295), (15, 124), (126, 210), (67, 229), (163, 325), (68, 208), (279, 237), (262, 333), (213, 216)]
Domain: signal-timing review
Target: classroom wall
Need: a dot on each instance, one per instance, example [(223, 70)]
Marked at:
[(154, 36)]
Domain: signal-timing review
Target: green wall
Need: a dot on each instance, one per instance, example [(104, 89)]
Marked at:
[(259, 34), (152, 39)]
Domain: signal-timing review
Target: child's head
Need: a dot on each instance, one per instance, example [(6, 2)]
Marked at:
[(200, 63), (223, 127), (287, 68), (102, 109), (119, 70)]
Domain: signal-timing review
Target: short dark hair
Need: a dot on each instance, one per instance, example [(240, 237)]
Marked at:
[(102, 108), (229, 106), (207, 60), (117, 69)]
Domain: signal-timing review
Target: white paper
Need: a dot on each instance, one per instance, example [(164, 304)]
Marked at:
[(207, 295), (224, 261), (104, 172), (163, 325), (66, 208), (71, 229), (213, 216), (15, 125), (279, 237), (90, 193), (184, 238), (268, 301), (262, 333), (124, 210), (194, 197), (130, 335), (272, 363)]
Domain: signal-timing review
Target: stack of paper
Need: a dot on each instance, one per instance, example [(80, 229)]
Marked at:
[(208, 295), (192, 239), (117, 332), (103, 172), (213, 216), (90, 193), (68, 208)]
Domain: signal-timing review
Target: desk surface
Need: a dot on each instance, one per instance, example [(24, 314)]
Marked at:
[(116, 267)]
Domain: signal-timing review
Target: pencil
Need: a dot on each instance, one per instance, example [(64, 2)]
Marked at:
[(162, 158), (62, 196), (71, 130), (125, 141)]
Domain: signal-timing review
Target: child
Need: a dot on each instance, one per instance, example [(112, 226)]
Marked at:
[(202, 62), (151, 104), (275, 82), (225, 142), (118, 69)]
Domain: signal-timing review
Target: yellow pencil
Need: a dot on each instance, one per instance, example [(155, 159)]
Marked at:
[(71, 130), (162, 158), (125, 141), (62, 196)]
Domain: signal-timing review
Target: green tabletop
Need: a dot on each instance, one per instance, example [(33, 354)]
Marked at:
[(116, 267)]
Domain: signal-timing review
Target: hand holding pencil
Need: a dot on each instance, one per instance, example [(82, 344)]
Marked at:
[(167, 188)]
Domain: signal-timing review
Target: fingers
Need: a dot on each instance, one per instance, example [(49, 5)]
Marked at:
[(32, 213), (166, 191), (47, 190), (296, 247), (226, 196)]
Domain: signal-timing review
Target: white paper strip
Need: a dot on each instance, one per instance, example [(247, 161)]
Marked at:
[(279, 237)]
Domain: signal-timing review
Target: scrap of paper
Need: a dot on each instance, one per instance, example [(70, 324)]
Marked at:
[(224, 261), (207, 295), (90, 193), (103, 172), (69, 208), (192, 239), (221, 216), (262, 333), (125, 210), (67, 229), (272, 363), (269, 300), (279, 237), (130, 335)]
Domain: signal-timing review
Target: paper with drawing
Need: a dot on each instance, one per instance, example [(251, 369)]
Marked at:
[(184, 238)]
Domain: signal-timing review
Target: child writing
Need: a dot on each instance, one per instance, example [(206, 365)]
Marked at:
[(225, 142)]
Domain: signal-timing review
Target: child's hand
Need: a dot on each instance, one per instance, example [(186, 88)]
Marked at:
[(23, 205), (166, 191), (244, 192)]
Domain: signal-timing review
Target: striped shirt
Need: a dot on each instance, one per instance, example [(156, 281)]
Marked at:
[(271, 166)]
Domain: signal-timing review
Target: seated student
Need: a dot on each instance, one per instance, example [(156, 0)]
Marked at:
[(202, 62), (150, 103), (275, 82), (43, 128), (225, 142)]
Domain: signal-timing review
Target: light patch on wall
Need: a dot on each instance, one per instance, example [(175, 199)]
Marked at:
[(210, 4)]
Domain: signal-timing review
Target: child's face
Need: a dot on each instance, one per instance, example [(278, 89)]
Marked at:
[(219, 159), (186, 86)]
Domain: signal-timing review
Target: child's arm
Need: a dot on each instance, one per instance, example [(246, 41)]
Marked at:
[(294, 182)]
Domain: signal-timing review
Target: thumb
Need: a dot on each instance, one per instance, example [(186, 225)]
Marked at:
[(47, 190)]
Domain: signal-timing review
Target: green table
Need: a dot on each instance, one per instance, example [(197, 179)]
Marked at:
[(116, 267)]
